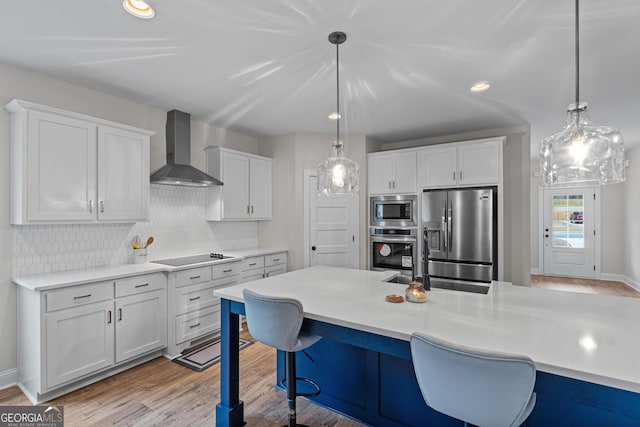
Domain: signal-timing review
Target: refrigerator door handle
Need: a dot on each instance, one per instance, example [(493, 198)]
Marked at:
[(444, 224), (449, 224)]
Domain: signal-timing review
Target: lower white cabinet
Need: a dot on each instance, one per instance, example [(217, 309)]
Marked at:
[(193, 310), (76, 335), (259, 267), (79, 341)]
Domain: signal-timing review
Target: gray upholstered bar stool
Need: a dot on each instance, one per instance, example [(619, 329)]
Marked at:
[(276, 322), (476, 386)]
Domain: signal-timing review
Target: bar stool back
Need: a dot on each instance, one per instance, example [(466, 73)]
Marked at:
[(481, 387), (276, 322)]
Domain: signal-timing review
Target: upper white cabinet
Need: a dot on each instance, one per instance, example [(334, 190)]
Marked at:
[(392, 172), (460, 164), (71, 168), (247, 189)]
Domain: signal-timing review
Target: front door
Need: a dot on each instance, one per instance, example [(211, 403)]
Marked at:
[(569, 232), (332, 232)]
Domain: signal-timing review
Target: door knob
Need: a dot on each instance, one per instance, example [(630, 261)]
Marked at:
[(313, 248)]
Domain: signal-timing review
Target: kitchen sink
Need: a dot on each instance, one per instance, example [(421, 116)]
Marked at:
[(452, 285)]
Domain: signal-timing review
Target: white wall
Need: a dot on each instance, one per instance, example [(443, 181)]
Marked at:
[(173, 209), (631, 221)]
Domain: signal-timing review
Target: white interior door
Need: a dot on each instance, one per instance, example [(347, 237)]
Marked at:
[(331, 234), (568, 238)]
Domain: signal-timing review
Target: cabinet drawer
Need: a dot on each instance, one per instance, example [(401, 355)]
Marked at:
[(79, 295), (274, 270), (138, 284), (248, 276), (253, 262), (193, 275), (223, 270), (275, 259), (194, 297), (201, 322)]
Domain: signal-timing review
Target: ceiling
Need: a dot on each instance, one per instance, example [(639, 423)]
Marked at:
[(266, 67)]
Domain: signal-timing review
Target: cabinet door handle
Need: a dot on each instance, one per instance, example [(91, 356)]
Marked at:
[(109, 317), (227, 271), (194, 299), (460, 175), (194, 326), (252, 264), (389, 185), (194, 277), (90, 206), (142, 286), (454, 175), (247, 209), (394, 185), (276, 259), (101, 206), (251, 208), (119, 314), (82, 296)]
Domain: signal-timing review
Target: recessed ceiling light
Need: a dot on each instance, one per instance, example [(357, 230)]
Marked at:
[(139, 9), (334, 116), (480, 87)]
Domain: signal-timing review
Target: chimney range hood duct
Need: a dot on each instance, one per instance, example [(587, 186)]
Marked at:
[(178, 170)]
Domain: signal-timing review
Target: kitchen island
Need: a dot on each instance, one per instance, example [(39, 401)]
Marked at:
[(585, 347)]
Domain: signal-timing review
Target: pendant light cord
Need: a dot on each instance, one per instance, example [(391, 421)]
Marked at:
[(577, 56), (338, 145)]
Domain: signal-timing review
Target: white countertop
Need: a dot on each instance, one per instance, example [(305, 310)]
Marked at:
[(589, 337), (48, 281)]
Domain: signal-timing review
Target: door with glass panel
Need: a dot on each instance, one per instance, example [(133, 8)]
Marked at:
[(569, 232)]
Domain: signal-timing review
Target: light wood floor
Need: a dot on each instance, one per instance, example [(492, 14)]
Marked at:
[(590, 286), (163, 393)]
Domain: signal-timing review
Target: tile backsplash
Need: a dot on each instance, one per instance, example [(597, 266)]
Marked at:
[(176, 222)]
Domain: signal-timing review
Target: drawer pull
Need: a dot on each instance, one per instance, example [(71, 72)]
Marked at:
[(194, 299), (142, 286), (194, 277), (252, 264), (227, 271), (195, 326), (82, 296), (276, 259)]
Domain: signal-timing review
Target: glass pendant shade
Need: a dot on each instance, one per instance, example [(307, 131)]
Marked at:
[(582, 153), (338, 175)]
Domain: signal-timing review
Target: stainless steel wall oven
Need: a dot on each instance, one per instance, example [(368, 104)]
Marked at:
[(393, 249)]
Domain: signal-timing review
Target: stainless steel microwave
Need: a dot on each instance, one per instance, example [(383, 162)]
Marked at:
[(393, 211)]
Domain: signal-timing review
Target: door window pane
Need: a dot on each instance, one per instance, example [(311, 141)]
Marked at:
[(568, 221)]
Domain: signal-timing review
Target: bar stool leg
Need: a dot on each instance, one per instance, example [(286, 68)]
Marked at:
[(291, 386)]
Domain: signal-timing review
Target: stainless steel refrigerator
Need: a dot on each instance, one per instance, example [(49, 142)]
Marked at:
[(460, 234)]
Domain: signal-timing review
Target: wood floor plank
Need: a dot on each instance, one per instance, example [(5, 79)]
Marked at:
[(163, 393), (591, 286)]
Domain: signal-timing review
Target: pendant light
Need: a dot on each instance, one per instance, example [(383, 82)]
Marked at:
[(338, 175), (581, 154)]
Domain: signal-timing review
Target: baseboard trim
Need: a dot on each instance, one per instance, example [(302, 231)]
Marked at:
[(614, 276), (535, 271), (633, 283), (8, 378)]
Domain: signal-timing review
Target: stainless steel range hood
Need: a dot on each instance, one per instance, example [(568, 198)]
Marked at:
[(178, 170)]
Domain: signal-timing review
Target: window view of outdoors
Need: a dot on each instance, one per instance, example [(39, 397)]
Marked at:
[(568, 222)]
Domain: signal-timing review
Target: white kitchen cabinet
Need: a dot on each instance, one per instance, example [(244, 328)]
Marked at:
[(193, 311), (71, 168), (259, 267), (466, 163), (72, 336), (140, 316), (247, 189), (392, 172), (79, 341)]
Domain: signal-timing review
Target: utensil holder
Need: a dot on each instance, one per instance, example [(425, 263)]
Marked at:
[(139, 255)]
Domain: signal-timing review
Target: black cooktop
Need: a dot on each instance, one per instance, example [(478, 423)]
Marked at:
[(194, 259)]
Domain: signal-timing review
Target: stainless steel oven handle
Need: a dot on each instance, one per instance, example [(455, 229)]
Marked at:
[(378, 239)]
